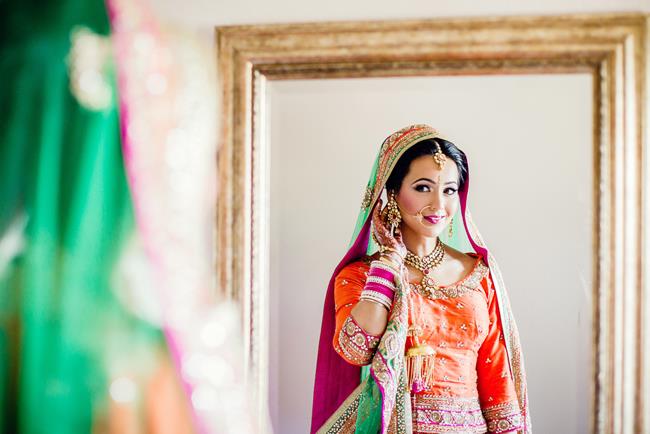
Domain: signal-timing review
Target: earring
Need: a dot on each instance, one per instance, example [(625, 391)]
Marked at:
[(394, 217), (451, 227)]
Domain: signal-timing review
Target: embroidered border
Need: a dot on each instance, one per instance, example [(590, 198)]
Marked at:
[(504, 418), (390, 151), (357, 346), (345, 417), (441, 414), (470, 283)]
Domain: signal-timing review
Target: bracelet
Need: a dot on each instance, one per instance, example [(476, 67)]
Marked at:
[(383, 249), (376, 281), (383, 270), (386, 259), (376, 297), (380, 284)]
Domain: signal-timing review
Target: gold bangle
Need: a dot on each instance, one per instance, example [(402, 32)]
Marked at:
[(387, 265), (377, 298), (383, 249), (389, 262)]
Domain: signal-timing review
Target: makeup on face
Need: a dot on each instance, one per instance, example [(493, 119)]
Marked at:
[(418, 193)]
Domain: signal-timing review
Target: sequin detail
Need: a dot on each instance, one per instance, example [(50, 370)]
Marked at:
[(367, 198), (356, 345), (438, 414), (503, 418)]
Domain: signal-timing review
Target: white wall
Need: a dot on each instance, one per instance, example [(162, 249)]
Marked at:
[(528, 140), (208, 13)]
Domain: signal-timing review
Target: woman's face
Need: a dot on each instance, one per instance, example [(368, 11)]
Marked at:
[(428, 197)]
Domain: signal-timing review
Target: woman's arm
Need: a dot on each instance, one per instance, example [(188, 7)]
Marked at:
[(371, 316), (360, 322)]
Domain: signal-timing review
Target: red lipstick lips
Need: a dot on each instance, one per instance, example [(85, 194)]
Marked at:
[(434, 219)]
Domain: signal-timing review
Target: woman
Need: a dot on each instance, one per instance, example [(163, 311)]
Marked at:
[(429, 324)]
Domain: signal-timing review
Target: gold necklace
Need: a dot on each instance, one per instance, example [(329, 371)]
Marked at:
[(426, 263)]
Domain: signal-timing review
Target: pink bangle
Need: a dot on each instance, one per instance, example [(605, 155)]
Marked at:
[(380, 266), (381, 286), (381, 272)]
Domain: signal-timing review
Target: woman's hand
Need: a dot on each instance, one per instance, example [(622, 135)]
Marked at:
[(393, 244)]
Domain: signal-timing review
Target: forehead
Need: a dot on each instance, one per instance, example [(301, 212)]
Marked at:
[(425, 167)]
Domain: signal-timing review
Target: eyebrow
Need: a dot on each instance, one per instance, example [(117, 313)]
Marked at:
[(433, 182)]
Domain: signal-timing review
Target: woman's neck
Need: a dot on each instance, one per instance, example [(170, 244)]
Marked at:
[(416, 243)]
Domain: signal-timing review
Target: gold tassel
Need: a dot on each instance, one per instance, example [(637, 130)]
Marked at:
[(420, 360)]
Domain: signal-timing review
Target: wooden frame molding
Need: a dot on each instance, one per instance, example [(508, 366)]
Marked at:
[(613, 48)]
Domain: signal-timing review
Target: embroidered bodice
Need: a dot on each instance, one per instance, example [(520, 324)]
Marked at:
[(472, 391)]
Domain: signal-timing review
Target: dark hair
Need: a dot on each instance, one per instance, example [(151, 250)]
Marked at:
[(428, 147)]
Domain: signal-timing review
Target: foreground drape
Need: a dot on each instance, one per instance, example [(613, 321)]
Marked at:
[(65, 216)]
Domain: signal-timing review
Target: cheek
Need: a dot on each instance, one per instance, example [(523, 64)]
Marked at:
[(452, 206), (411, 202)]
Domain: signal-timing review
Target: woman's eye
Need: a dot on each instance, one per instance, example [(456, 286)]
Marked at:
[(450, 191), (422, 188)]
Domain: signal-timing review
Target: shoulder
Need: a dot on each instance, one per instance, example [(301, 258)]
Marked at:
[(357, 267), (475, 269), (350, 280)]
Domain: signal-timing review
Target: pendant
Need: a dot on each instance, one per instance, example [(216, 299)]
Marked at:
[(428, 282)]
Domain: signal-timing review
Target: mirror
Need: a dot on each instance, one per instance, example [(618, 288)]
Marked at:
[(549, 132)]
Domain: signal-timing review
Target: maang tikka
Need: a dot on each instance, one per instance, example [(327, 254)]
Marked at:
[(394, 217), (439, 157)]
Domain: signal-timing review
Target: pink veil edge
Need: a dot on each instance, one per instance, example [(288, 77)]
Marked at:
[(329, 395), (143, 49)]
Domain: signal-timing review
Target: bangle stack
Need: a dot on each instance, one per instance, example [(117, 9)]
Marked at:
[(380, 285), (391, 261)]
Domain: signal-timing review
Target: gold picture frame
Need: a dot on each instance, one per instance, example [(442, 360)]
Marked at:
[(613, 48)]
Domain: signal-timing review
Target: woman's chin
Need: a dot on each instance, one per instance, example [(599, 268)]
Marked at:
[(427, 232)]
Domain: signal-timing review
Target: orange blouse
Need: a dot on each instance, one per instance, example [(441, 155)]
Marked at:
[(472, 391)]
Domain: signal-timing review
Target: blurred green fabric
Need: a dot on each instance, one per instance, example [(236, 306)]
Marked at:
[(61, 167)]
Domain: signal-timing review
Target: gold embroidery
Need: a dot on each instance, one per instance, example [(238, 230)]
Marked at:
[(470, 283), (356, 345), (440, 414), (345, 417), (367, 198), (504, 417), (391, 150)]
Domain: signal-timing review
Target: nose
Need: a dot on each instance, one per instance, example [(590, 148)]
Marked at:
[(437, 200)]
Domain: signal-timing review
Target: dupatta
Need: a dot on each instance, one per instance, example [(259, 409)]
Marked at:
[(339, 391)]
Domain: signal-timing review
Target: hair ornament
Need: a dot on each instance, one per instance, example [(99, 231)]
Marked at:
[(439, 157)]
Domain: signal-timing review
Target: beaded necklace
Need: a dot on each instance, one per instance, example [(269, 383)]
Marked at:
[(426, 263)]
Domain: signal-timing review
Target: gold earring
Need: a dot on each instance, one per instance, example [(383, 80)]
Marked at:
[(394, 217), (451, 227)]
